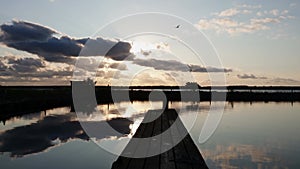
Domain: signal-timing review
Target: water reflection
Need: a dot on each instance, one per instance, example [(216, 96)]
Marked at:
[(52, 130), (242, 156), (251, 135)]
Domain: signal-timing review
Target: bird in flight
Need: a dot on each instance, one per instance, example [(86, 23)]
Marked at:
[(177, 26)]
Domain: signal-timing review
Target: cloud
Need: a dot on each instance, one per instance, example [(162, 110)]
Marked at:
[(228, 21), (232, 27), (259, 14), (233, 12), (3, 67), (271, 80), (173, 65), (230, 155), (293, 4), (285, 80), (229, 12), (47, 48), (40, 40), (116, 50), (63, 46), (118, 66), (152, 78), (22, 65), (26, 61), (26, 64), (25, 31), (13, 68), (274, 12), (264, 21), (247, 6), (250, 76)]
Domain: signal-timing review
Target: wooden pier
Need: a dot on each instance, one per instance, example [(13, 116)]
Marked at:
[(184, 155)]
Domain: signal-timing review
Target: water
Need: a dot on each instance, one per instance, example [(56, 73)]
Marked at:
[(257, 135)]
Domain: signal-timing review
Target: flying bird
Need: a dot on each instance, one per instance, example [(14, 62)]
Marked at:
[(177, 26)]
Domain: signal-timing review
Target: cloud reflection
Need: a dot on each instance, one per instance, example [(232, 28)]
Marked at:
[(51, 131), (241, 156)]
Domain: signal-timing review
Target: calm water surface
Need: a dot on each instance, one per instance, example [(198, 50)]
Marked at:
[(258, 135)]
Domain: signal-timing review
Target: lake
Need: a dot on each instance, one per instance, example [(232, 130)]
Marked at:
[(250, 135)]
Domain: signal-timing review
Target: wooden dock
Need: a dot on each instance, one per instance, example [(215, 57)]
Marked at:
[(184, 155)]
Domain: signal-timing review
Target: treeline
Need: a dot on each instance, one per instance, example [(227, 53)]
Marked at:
[(17, 100)]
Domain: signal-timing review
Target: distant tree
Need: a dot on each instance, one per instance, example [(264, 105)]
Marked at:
[(89, 81), (192, 85)]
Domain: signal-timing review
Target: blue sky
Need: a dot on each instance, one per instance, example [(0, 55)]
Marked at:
[(258, 39)]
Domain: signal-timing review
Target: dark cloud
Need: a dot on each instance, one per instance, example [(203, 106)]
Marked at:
[(162, 64), (197, 68), (250, 76), (116, 50), (50, 46), (63, 46), (38, 39), (27, 61), (3, 67), (26, 64), (173, 65), (48, 74), (15, 76), (12, 65), (24, 31), (120, 51), (118, 66), (15, 69)]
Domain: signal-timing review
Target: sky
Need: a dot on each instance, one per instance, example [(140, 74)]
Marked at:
[(257, 42)]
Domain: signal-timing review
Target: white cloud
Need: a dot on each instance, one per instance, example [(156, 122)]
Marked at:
[(231, 26), (264, 21), (229, 12), (284, 12), (232, 12), (274, 12), (249, 6), (293, 4), (246, 11), (228, 21), (259, 14)]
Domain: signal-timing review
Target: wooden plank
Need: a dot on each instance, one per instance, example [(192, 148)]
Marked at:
[(182, 159), (123, 161), (167, 158), (142, 148), (181, 156), (196, 158), (154, 161)]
